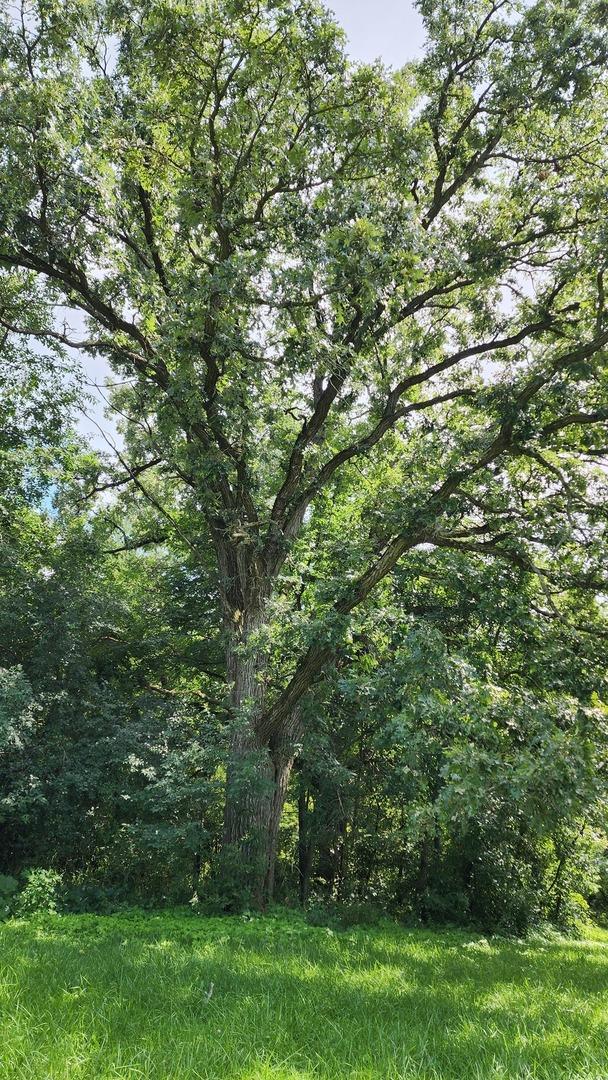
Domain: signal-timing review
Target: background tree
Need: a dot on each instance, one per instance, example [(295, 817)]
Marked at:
[(454, 761)]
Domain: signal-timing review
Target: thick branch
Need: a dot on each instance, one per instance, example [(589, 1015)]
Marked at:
[(312, 664), (390, 416), (148, 229), (134, 471)]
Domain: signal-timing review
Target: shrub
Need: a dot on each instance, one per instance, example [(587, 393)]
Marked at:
[(41, 893), (344, 915), (87, 897), (8, 886)]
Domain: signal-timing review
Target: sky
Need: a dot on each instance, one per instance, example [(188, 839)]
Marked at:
[(389, 30)]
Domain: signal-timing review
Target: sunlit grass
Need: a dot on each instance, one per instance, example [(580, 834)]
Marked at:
[(175, 997)]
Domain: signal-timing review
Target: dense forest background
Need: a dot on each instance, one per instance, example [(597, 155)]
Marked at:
[(341, 579)]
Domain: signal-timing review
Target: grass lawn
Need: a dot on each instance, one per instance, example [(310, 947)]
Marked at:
[(176, 997)]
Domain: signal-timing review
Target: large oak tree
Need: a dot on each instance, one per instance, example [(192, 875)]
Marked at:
[(320, 284)]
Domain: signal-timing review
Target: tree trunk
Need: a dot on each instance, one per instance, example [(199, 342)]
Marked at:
[(249, 777), (305, 848), (283, 750), (256, 788), (282, 772), (247, 814), (257, 778)]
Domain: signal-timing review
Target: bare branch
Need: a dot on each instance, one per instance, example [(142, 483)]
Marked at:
[(134, 471)]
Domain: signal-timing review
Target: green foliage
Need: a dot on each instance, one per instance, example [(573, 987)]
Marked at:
[(90, 897), (8, 886), (357, 330), (41, 893), (344, 915), (433, 791)]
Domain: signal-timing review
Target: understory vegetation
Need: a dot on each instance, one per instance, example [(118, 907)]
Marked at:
[(431, 783)]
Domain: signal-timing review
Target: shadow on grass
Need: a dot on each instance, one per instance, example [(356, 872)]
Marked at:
[(99, 1000)]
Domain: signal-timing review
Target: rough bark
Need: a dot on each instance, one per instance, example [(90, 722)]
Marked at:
[(249, 777), (305, 848), (258, 773), (282, 772), (256, 789), (283, 750)]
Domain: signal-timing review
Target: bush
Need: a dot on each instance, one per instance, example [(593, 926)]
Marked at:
[(8, 886), (321, 915), (444, 905), (344, 915), (41, 893), (88, 898)]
